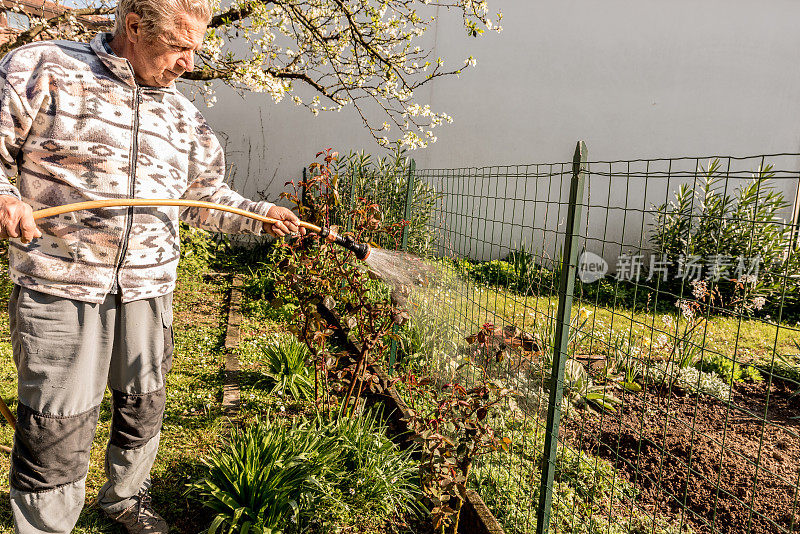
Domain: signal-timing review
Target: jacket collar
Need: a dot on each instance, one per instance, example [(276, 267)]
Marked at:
[(120, 66)]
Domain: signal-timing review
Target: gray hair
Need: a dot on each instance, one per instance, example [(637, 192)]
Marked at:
[(158, 15)]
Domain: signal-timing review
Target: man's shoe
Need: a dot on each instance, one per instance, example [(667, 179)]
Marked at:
[(140, 518)]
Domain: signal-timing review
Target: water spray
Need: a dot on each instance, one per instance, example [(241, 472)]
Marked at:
[(361, 250)]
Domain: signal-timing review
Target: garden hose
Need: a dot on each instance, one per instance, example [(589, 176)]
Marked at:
[(361, 250)]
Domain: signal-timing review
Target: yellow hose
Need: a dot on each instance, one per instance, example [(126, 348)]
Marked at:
[(117, 203), (361, 250)]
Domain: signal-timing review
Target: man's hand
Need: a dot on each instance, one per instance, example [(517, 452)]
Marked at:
[(286, 225), (16, 219)]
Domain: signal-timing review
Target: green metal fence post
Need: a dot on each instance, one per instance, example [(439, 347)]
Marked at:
[(563, 316), (351, 203), (795, 242), (303, 189), (412, 166)]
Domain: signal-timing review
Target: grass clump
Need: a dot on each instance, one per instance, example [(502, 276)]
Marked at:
[(287, 368), (258, 481), (372, 481), (308, 476)]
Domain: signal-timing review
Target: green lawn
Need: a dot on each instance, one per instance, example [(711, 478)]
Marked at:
[(466, 306)]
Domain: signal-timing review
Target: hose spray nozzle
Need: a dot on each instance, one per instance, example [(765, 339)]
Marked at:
[(361, 250)]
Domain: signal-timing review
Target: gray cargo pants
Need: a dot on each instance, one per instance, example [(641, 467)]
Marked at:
[(66, 351)]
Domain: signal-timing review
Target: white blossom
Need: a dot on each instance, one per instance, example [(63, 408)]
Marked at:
[(686, 308), (699, 289)]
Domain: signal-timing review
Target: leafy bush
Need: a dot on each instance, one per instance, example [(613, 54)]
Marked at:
[(704, 221), (313, 272), (517, 272), (454, 426), (384, 183), (708, 222), (288, 369)]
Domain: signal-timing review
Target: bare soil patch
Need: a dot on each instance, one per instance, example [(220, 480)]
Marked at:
[(713, 466)]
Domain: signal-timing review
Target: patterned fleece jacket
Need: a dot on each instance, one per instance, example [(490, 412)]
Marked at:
[(75, 126)]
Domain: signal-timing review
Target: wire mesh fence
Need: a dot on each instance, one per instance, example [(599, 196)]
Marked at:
[(645, 313)]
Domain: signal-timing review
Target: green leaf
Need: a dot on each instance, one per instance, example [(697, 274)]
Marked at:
[(632, 386)]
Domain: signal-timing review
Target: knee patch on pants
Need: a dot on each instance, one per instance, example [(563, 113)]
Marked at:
[(51, 450), (136, 418)]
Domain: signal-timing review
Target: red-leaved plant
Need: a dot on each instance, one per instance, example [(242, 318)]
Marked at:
[(452, 426), (313, 272)]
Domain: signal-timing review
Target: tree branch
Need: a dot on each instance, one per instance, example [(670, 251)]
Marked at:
[(28, 36), (235, 15), (208, 73)]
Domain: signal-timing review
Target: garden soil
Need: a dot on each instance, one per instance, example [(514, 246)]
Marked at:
[(712, 467)]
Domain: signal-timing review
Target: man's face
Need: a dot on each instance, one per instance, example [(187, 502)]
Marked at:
[(160, 59)]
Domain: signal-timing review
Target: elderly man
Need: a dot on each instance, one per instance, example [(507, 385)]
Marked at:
[(92, 302)]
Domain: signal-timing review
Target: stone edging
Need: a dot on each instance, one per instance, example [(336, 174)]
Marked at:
[(230, 388)]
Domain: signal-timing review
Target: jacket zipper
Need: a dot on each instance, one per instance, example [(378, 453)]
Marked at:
[(131, 189)]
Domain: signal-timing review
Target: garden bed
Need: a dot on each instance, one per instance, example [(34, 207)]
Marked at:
[(263, 326), (695, 459)]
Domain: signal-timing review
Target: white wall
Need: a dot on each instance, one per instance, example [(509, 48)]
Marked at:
[(633, 78)]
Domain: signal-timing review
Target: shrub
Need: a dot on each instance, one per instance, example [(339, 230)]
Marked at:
[(384, 183), (453, 426), (314, 273), (517, 272), (708, 222), (702, 221)]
